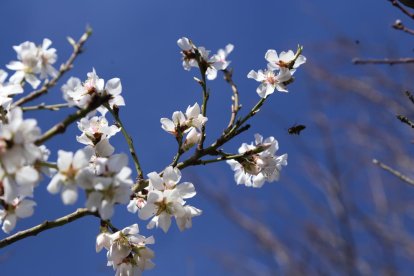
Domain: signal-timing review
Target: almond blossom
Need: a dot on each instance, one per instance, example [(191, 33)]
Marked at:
[(189, 123), (96, 133), (165, 200), (33, 60), (219, 61), (270, 81), (287, 60), (17, 138), (82, 94), (193, 55), (47, 57), (107, 182), (253, 170), (7, 89), (19, 208), (69, 168), (127, 252)]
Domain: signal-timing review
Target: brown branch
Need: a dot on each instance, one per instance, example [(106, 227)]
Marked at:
[(235, 107), (405, 120), (401, 8), (398, 25), (383, 61), (43, 106), (81, 212), (77, 49), (61, 127), (394, 172)]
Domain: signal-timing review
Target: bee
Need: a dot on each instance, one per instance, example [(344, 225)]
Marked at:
[(296, 129)]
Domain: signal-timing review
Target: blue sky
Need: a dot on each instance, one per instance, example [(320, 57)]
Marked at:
[(136, 41)]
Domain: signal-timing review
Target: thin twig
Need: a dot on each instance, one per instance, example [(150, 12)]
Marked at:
[(180, 150), (398, 25), (394, 172), (115, 114), (235, 107), (206, 95), (410, 96), (82, 212), (61, 127), (383, 61), (401, 8), (43, 106), (77, 49), (405, 120), (47, 164)]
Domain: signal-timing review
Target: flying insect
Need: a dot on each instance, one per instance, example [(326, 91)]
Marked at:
[(296, 129)]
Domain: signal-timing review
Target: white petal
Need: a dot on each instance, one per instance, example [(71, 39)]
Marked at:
[(55, 184), (164, 221), (69, 194), (104, 148), (106, 209), (27, 176), (25, 208), (64, 160), (156, 181), (186, 190), (171, 176), (9, 223), (117, 161), (114, 87)]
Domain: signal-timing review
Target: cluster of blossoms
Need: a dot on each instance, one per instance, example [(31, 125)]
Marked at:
[(127, 252), (33, 62), (190, 123), (19, 170), (253, 169), (81, 94), (165, 199), (278, 74), (20, 156), (105, 177), (199, 57)]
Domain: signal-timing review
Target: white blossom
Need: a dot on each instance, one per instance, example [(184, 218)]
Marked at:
[(219, 61), (33, 60), (94, 129), (127, 252), (286, 60), (69, 89), (212, 64), (270, 81), (253, 170), (7, 89), (165, 200), (96, 133), (188, 53), (109, 183), (17, 138), (83, 94), (189, 123), (19, 208), (69, 167), (47, 57)]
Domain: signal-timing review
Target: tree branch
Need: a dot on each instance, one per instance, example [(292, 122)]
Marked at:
[(383, 61), (81, 212), (394, 172), (61, 127)]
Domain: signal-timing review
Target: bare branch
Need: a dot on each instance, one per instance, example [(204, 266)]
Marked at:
[(394, 172), (81, 212), (383, 61)]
